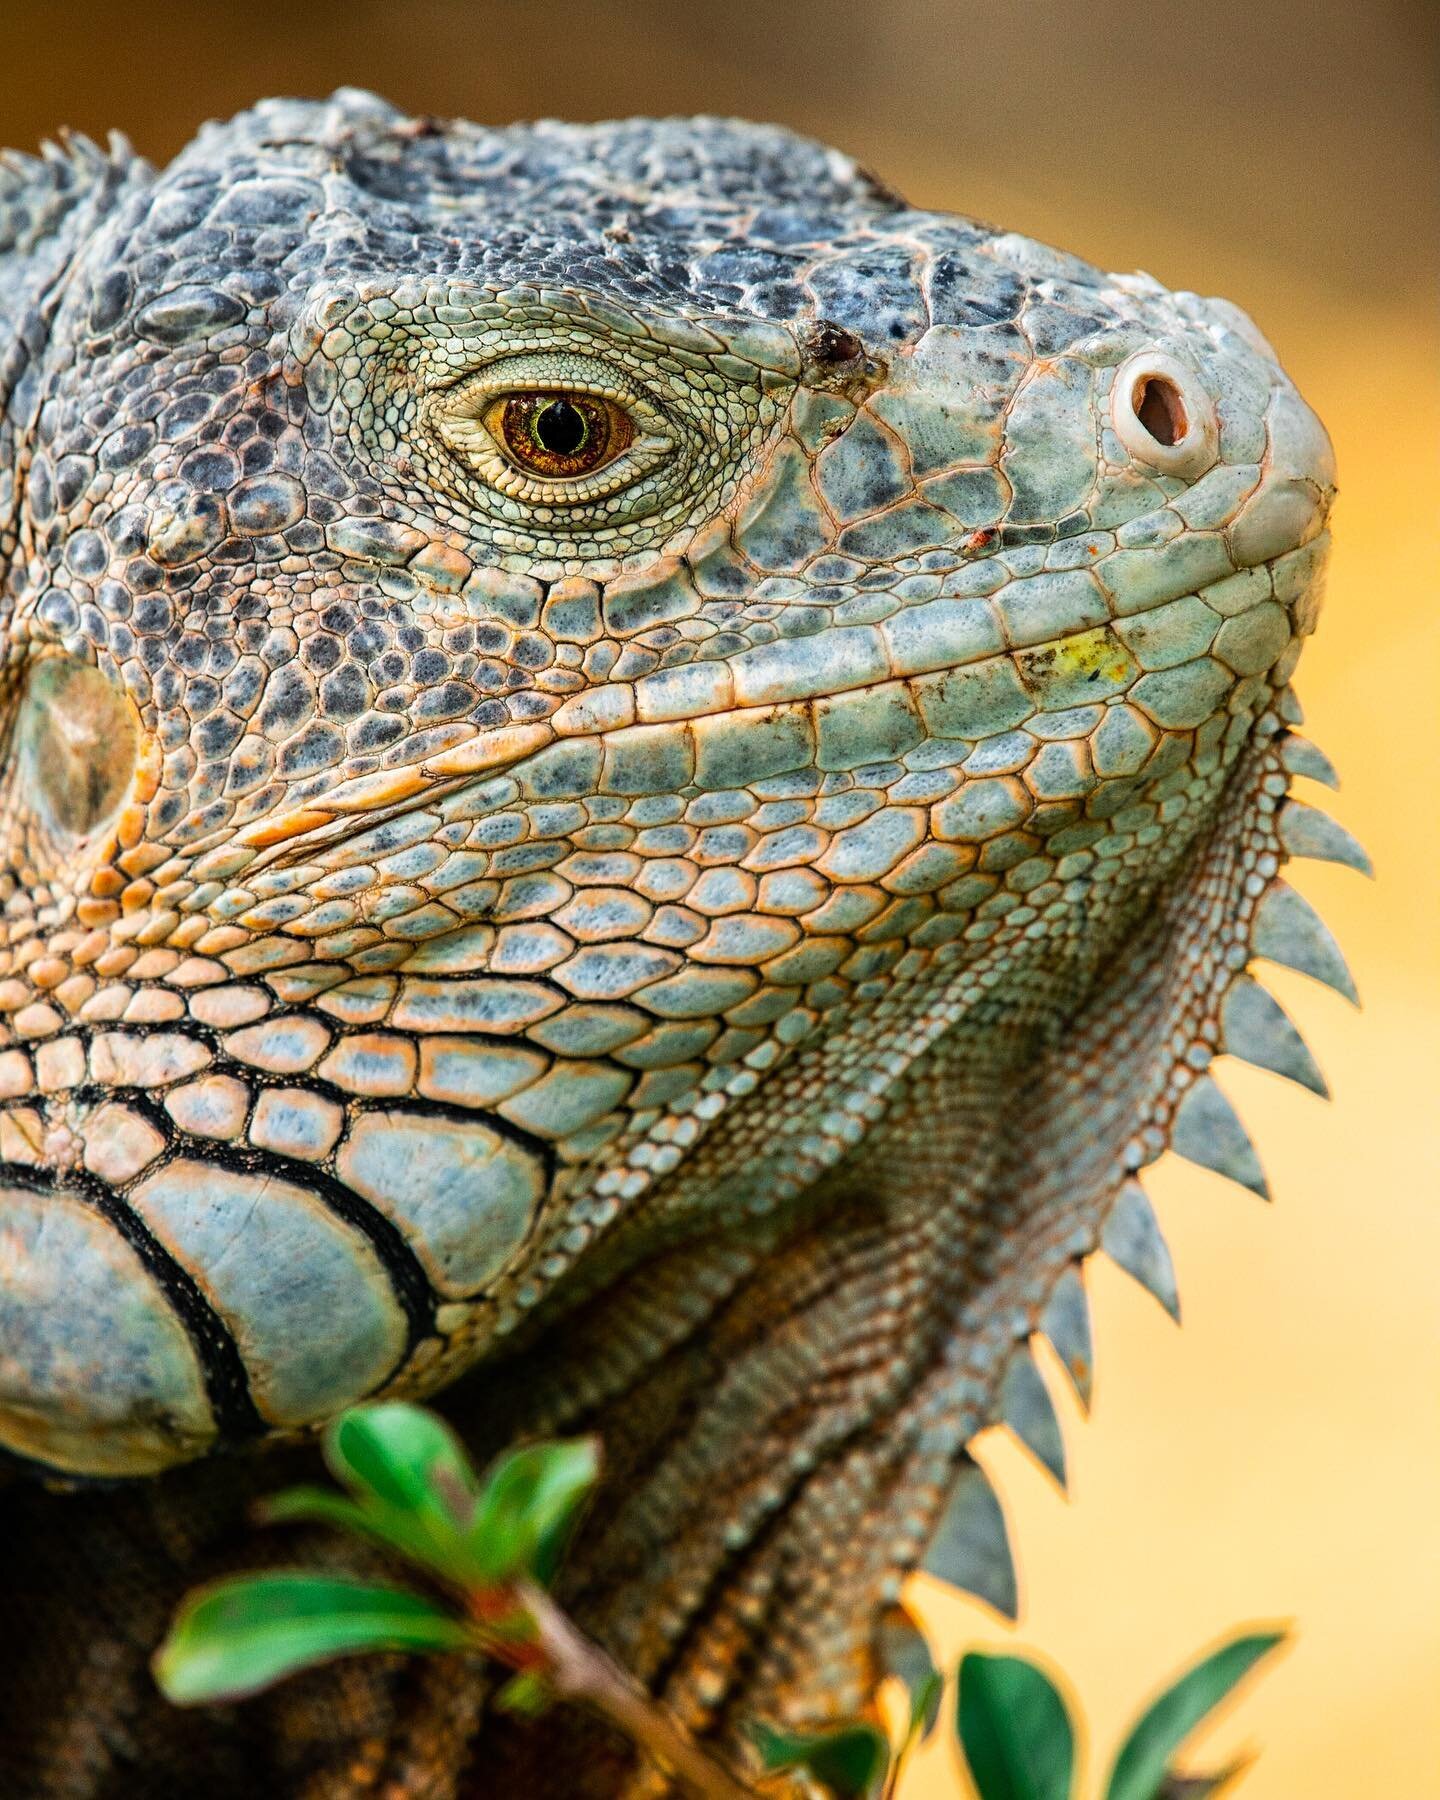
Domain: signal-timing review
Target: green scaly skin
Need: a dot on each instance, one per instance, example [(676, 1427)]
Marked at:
[(698, 948)]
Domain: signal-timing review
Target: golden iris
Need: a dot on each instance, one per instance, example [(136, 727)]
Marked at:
[(560, 434)]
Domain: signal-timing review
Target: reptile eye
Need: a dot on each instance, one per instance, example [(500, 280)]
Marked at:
[(559, 434)]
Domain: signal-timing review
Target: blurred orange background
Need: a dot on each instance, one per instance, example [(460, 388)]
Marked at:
[(1278, 1458)]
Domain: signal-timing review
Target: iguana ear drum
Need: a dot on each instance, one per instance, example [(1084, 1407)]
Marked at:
[(74, 748)]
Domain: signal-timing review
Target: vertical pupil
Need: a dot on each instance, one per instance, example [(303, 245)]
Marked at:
[(561, 428)]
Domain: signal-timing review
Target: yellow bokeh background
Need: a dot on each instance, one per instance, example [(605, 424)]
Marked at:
[(1278, 1458)]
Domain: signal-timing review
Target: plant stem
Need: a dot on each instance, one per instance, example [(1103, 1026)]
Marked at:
[(579, 1670)]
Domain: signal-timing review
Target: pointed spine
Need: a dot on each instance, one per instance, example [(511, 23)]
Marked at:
[(901, 1647), (971, 1547), (1288, 930), (1300, 757), (1206, 1130), (1066, 1322), (1306, 831), (1132, 1238), (1255, 1027), (1026, 1407), (38, 192)]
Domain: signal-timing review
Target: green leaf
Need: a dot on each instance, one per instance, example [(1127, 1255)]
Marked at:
[(528, 1506), (1141, 1767), (404, 1457), (238, 1636), (924, 1707), (1017, 1735), (851, 1761), (1202, 1787), (392, 1527), (316, 1506), (527, 1695), (412, 1481)]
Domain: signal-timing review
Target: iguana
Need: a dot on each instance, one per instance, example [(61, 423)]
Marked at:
[(638, 782)]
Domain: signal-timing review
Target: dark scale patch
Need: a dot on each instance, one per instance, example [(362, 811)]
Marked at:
[(251, 764), (320, 652), (189, 652), (1052, 329), (110, 299), (211, 470), (244, 684), (124, 448), (202, 696), (450, 700), (374, 731), (73, 474), (217, 737), (745, 264), (319, 746), (873, 292), (190, 310), (179, 420), (965, 290), (86, 553), (59, 612), (267, 504)]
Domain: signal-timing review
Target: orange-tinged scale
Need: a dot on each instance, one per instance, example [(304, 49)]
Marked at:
[(279, 830), (381, 789), (490, 749)]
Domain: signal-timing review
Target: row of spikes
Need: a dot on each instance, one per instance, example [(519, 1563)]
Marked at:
[(970, 1548), (36, 191)]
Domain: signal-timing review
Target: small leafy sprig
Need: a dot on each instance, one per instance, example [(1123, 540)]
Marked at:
[(1017, 1736), (487, 1550), (1020, 1743)]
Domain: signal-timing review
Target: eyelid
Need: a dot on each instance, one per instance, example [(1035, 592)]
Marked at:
[(459, 412), (486, 385)]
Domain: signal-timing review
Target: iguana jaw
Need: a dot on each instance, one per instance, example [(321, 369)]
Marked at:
[(826, 702)]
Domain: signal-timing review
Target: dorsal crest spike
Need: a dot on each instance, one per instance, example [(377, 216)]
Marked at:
[(1306, 831), (1206, 1130), (39, 194), (1288, 930), (1066, 1322), (1132, 1238), (1300, 757), (1026, 1407), (971, 1546), (1256, 1028)]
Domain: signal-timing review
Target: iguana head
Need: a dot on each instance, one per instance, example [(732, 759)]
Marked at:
[(543, 669)]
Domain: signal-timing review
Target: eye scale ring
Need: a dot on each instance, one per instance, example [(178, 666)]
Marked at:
[(561, 433), (567, 439)]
